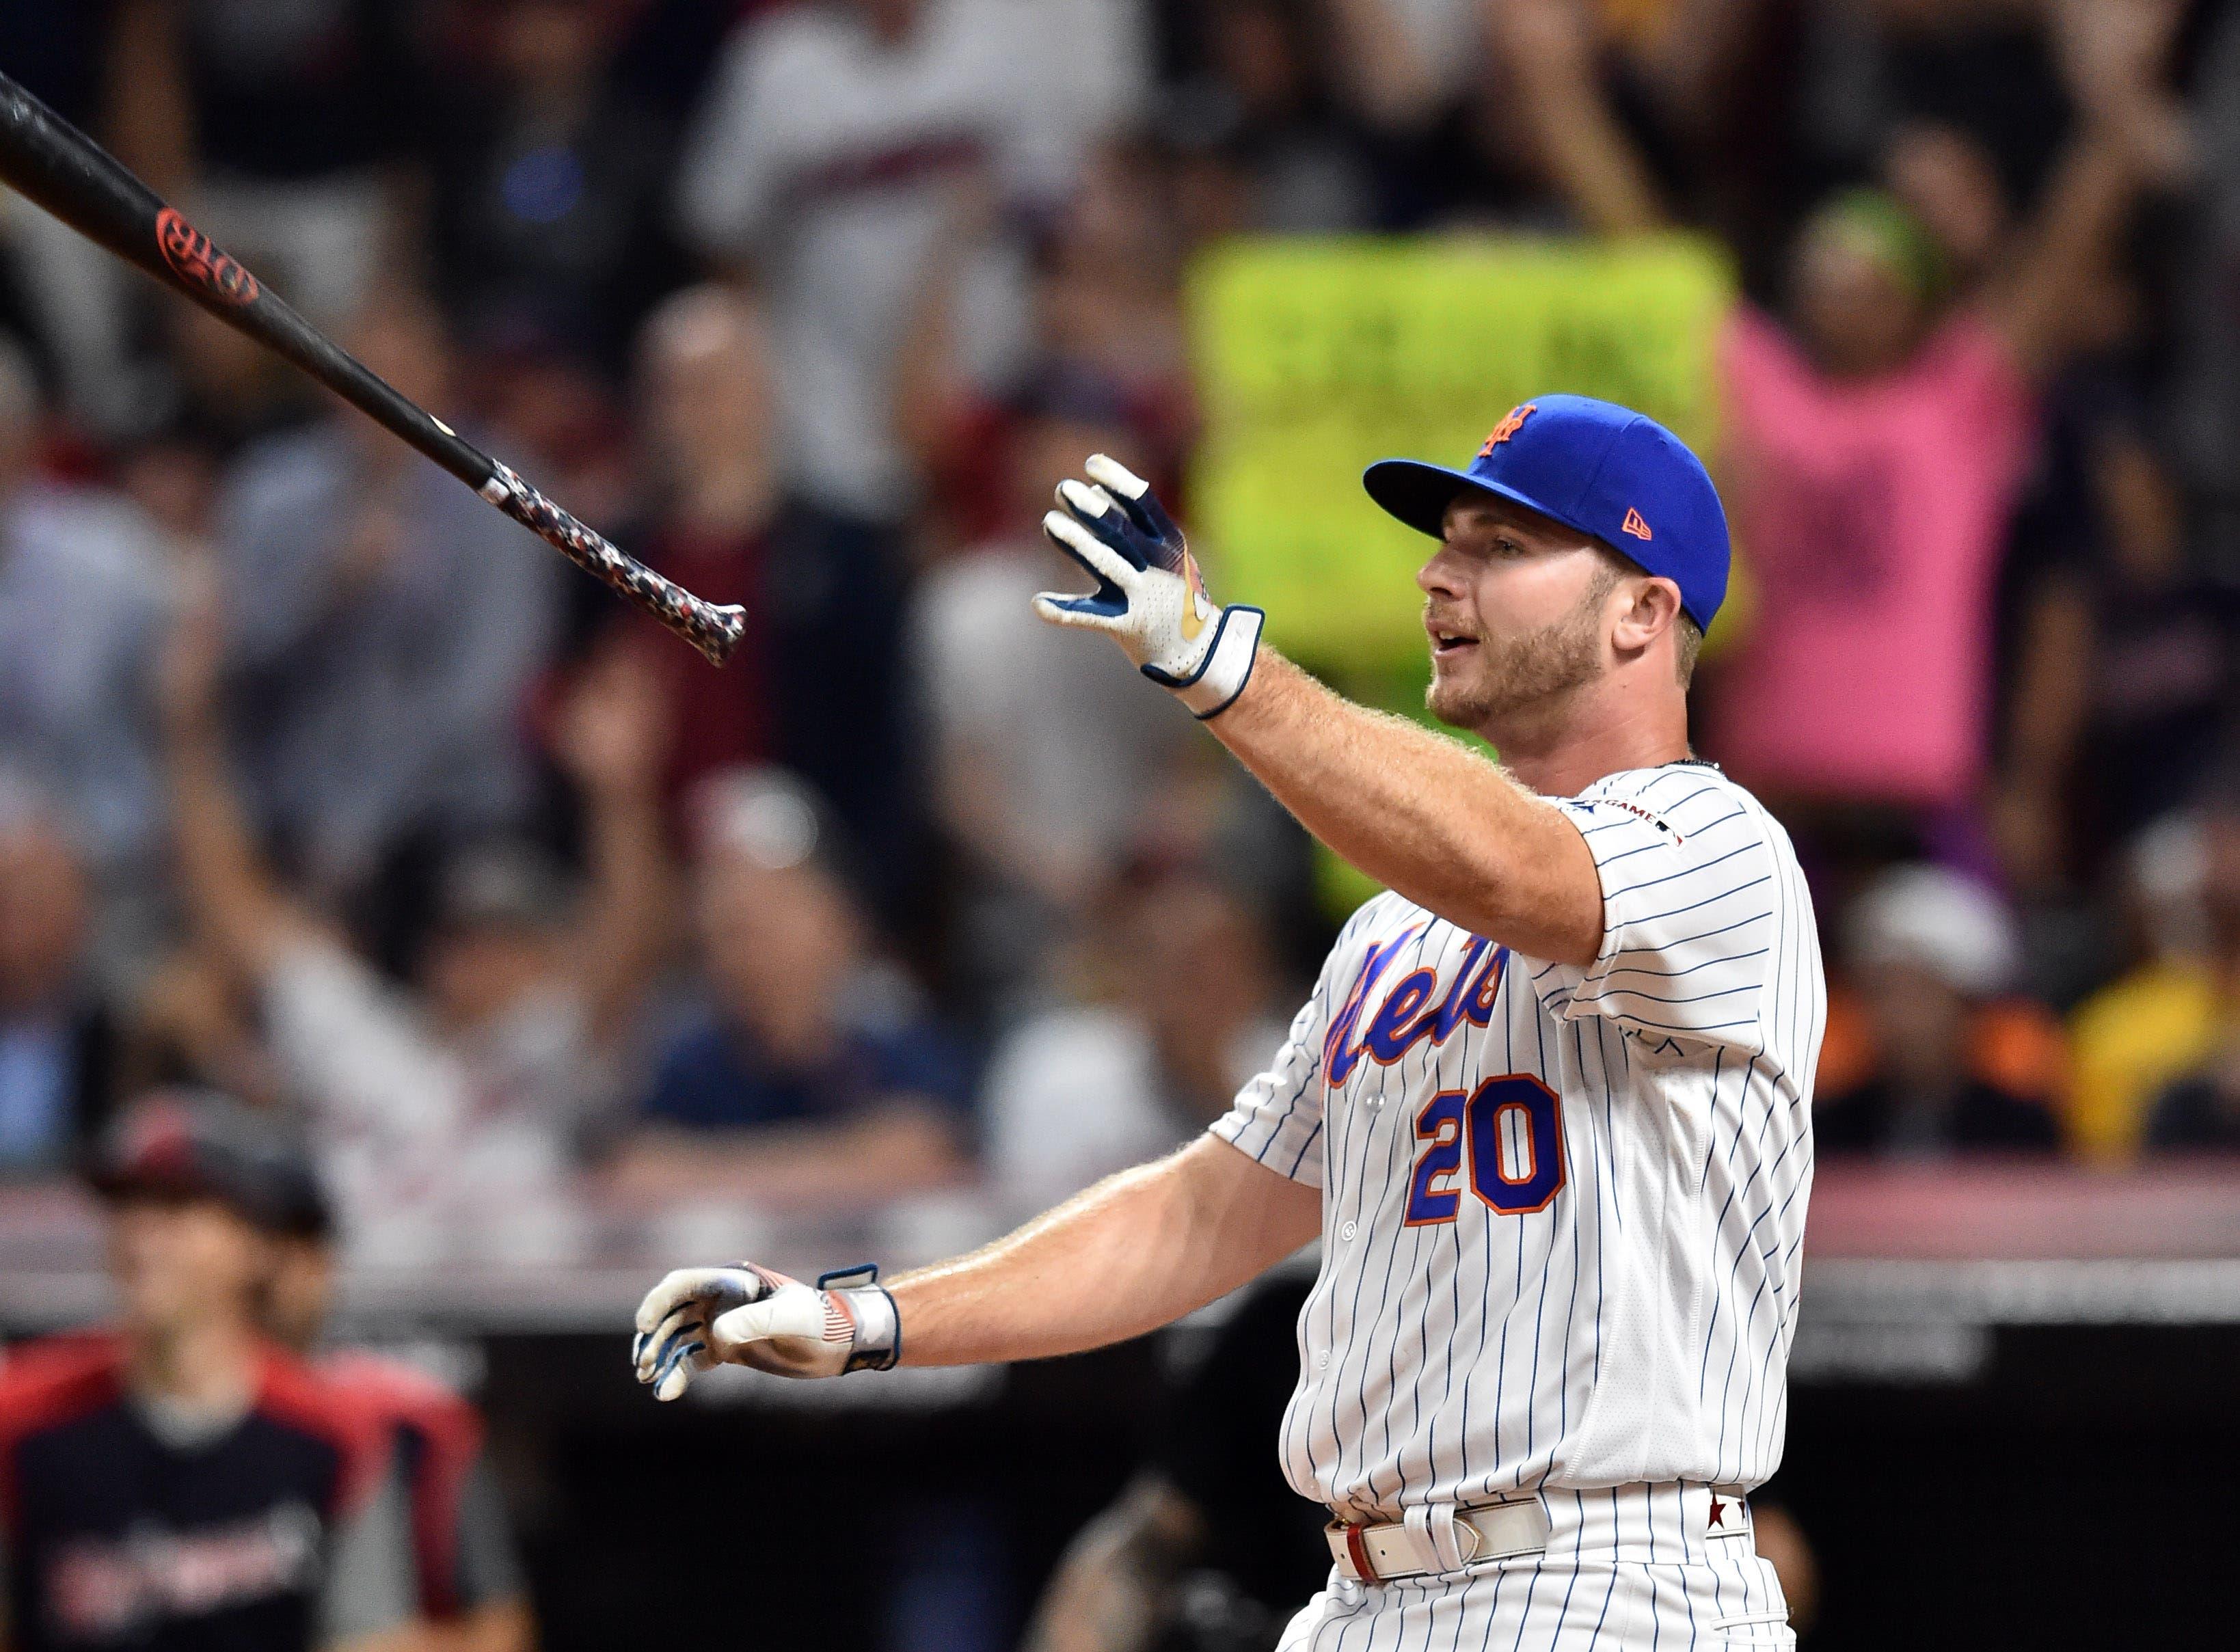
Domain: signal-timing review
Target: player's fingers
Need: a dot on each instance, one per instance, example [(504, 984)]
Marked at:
[(689, 1308), (1092, 611), (1102, 514), (1134, 496), (678, 1370), (1092, 553), (657, 1353), (678, 1288), (1114, 478)]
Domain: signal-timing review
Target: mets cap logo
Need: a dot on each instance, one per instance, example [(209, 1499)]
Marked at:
[(1509, 426)]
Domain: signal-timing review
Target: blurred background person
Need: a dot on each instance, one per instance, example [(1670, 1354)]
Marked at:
[(1927, 951), (1043, 764), (2199, 1108), (717, 514), (384, 626), (85, 593), (1078, 1092), (548, 177), (482, 1085), (824, 159), (2158, 1018), (177, 1481), (813, 1073), (59, 1034), (295, 136)]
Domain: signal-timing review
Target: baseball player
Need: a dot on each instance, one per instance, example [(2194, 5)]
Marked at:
[(466, 1573), (1548, 1108), (179, 1484)]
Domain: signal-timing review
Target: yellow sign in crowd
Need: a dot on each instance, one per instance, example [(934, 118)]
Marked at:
[(1315, 357)]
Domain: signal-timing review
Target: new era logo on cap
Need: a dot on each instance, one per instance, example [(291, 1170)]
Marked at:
[(1633, 524)]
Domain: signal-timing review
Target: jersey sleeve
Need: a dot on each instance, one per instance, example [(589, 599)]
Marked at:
[(485, 1568), (1277, 1118), (1692, 895), (369, 1586)]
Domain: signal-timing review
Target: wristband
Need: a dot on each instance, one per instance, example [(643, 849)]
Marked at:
[(878, 1323), (1226, 667)]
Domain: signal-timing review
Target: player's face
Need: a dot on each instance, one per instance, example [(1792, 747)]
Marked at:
[(179, 1262), (1514, 604)]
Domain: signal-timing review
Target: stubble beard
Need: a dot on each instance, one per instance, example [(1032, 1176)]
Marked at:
[(1533, 671)]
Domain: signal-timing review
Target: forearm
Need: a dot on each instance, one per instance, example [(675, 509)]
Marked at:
[(228, 897), (1136, 1251), (629, 890), (1419, 813), (2086, 204)]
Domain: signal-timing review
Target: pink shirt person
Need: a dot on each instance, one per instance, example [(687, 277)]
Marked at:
[(1871, 515)]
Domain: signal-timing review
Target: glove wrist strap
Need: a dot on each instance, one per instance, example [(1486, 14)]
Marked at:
[(878, 1342), (1221, 677)]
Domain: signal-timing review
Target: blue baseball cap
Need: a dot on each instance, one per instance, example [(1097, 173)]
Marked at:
[(1605, 471)]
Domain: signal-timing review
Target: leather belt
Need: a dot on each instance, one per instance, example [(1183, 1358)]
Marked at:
[(1378, 1553)]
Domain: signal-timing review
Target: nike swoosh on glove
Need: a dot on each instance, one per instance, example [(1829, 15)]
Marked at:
[(698, 1318), (1150, 595)]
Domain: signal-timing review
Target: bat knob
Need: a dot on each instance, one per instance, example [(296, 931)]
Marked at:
[(725, 626)]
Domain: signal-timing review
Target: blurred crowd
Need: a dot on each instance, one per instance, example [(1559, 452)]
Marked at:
[(323, 785)]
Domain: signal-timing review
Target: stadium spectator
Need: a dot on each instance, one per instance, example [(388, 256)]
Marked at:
[(85, 586), (1882, 406), (2159, 1019), (1927, 950), (719, 518), (2199, 1108), (813, 1073), (1078, 1093), (825, 157), (59, 1038), (104, 67), (179, 1481), (1042, 760), (2126, 670), (1885, 395), (427, 1112), (549, 178), (385, 626), (1272, 135), (297, 129)]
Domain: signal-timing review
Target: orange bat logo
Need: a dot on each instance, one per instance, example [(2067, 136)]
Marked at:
[(191, 253)]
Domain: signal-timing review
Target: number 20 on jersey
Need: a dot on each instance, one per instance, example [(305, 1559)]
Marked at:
[(1506, 1137)]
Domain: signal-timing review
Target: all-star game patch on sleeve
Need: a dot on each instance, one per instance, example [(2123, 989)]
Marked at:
[(1696, 882)]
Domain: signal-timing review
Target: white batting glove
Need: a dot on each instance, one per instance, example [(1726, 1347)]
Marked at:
[(1150, 595), (698, 1318)]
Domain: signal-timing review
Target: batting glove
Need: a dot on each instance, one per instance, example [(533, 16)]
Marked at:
[(1149, 593), (698, 1318)]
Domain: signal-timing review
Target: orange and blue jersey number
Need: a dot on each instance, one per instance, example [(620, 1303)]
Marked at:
[(1506, 1136)]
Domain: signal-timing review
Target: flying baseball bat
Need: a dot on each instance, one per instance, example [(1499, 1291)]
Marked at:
[(50, 162)]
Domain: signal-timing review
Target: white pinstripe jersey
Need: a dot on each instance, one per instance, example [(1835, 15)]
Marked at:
[(1562, 1209)]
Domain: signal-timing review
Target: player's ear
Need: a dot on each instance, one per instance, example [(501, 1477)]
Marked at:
[(1653, 611)]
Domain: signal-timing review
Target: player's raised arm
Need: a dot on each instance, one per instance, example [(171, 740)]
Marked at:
[(1580, 556)]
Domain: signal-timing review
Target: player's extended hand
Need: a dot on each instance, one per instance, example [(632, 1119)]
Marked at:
[(698, 1318), (1149, 593)]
